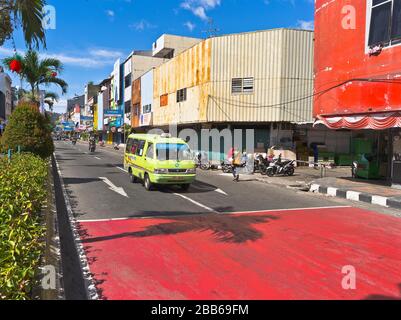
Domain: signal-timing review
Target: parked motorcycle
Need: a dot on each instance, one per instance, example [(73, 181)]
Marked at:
[(278, 167), (261, 164), (201, 162), (227, 167)]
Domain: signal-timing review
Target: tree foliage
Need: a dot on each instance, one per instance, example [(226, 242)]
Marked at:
[(39, 72), (30, 130), (26, 14)]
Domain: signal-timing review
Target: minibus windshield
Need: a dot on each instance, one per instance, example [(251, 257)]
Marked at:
[(173, 151)]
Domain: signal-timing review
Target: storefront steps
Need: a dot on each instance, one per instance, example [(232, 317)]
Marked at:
[(369, 192)]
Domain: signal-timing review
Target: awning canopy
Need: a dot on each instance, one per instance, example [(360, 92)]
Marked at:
[(359, 122)]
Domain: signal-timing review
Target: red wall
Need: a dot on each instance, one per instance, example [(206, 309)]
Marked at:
[(340, 56)]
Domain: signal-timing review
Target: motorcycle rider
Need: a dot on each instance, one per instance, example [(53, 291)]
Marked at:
[(74, 139), (92, 142)]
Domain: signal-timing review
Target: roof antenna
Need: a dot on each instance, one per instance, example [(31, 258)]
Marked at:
[(212, 31)]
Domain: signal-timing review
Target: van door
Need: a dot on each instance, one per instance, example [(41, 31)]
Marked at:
[(149, 158), (139, 156), (128, 153)]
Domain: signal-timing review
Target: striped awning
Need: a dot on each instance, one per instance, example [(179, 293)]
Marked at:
[(379, 121)]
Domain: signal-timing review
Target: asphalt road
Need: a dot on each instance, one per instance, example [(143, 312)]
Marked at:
[(222, 239), (92, 199)]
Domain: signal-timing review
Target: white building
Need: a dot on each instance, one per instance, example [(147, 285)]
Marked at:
[(5, 97)]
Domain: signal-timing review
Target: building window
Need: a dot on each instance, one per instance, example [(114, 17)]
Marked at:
[(147, 108), (164, 100), (127, 81), (136, 109), (182, 95), (385, 22), (128, 106), (242, 85)]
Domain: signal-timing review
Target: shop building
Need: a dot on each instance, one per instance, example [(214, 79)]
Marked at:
[(6, 99), (257, 80), (358, 80)]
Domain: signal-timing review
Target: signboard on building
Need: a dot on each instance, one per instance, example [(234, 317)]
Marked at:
[(115, 92), (146, 119), (100, 110), (112, 113)]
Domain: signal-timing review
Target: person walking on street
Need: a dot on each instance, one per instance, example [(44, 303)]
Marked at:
[(236, 164)]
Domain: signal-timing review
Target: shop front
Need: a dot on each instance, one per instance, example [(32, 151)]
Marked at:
[(375, 144)]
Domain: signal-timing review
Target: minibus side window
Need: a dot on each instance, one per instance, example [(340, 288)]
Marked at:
[(150, 153), (129, 146), (134, 146), (141, 146)]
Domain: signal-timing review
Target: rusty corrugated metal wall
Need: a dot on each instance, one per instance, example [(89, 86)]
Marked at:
[(281, 63), (190, 70), (279, 60)]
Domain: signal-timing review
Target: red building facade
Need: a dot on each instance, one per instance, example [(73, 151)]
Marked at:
[(358, 63), (358, 78)]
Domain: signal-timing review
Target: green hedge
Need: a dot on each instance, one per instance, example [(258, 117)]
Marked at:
[(30, 130), (22, 196)]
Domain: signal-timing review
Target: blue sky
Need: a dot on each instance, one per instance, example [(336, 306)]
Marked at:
[(91, 34)]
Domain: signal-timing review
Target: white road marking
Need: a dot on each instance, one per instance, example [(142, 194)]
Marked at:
[(91, 290), (122, 169), (221, 191), (195, 202), (114, 188), (292, 209), (97, 158), (208, 189), (225, 213)]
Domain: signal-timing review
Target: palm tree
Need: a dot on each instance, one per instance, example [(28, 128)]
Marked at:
[(39, 72), (25, 13), (50, 99)]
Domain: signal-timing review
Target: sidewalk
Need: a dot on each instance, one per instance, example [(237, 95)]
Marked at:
[(303, 177), (374, 192), (339, 183)]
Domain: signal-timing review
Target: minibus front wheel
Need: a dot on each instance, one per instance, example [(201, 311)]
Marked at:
[(147, 183)]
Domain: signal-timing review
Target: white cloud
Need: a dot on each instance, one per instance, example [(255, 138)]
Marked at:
[(60, 106), (191, 26), (105, 53), (142, 25), (199, 7), (110, 13), (306, 25), (6, 51), (71, 60), (91, 58)]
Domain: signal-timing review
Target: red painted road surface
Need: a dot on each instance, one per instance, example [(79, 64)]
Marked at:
[(295, 254)]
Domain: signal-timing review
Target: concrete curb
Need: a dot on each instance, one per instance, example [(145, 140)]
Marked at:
[(52, 254), (387, 202), (91, 291)]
